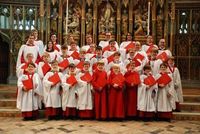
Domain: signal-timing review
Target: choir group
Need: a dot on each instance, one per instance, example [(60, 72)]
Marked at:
[(104, 82)]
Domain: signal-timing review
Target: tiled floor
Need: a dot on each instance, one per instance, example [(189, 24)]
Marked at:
[(17, 126)]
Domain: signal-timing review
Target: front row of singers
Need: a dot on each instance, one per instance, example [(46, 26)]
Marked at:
[(98, 94)]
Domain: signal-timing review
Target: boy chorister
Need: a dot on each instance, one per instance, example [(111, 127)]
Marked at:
[(132, 82), (52, 97), (116, 82), (44, 67), (154, 62), (64, 59), (29, 93), (177, 82), (28, 48), (97, 57), (147, 94), (99, 83), (69, 94), (166, 94), (85, 101), (22, 69)]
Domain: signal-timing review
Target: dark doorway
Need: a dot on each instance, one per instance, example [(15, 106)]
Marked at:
[(4, 61)]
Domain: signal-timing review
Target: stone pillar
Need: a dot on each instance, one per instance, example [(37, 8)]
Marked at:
[(172, 31), (83, 23), (95, 17), (130, 14), (166, 22), (41, 20), (48, 7), (60, 26), (118, 21), (154, 20), (12, 79)]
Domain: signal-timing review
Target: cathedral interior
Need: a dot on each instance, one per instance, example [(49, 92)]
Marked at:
[(177, 21)]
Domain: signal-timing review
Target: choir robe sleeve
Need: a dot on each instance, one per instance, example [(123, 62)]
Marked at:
[(40, 72), (141, 95), (47, 85), (19, 70), (38, 89), (65, 93), (84, 94), (20, 90), (170, 89), (20, 55), (178, 85)]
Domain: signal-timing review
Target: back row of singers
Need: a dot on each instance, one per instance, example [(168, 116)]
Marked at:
[(129, 50), (66, 56)]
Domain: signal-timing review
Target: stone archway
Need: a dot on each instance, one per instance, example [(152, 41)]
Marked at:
[(4, 60)]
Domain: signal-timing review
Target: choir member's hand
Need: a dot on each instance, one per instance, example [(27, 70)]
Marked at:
[(62, 69), (168, 95), (161, 85), (70, 86), (175, 86), (99, 89), (24, 88), (115, 85), (132, 84)]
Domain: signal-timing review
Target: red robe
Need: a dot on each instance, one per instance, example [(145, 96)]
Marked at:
[(116, 96), (131, 96), (99, 80)]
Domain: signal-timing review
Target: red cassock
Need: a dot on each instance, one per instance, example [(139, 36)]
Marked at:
[(99, 80), (131, 93), (116, 96)]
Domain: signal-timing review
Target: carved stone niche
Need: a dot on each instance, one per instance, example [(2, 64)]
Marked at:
[(140, 15), (107, 18)]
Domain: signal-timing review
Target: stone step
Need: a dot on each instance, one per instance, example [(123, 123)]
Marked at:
[(7, 94), (8, 103), (191, 98), (191, 91), (186, 116), (13, 112), (8, 87), (190, 107), (9, 112)]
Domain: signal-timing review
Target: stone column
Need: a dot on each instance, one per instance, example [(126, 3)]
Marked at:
[(41, 20), (130, 14), (12, 79), (166, 22), (154, 20), (48, 7), (118, 21), (83, 23), (95, 17), (172, 33), (60, 26)]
